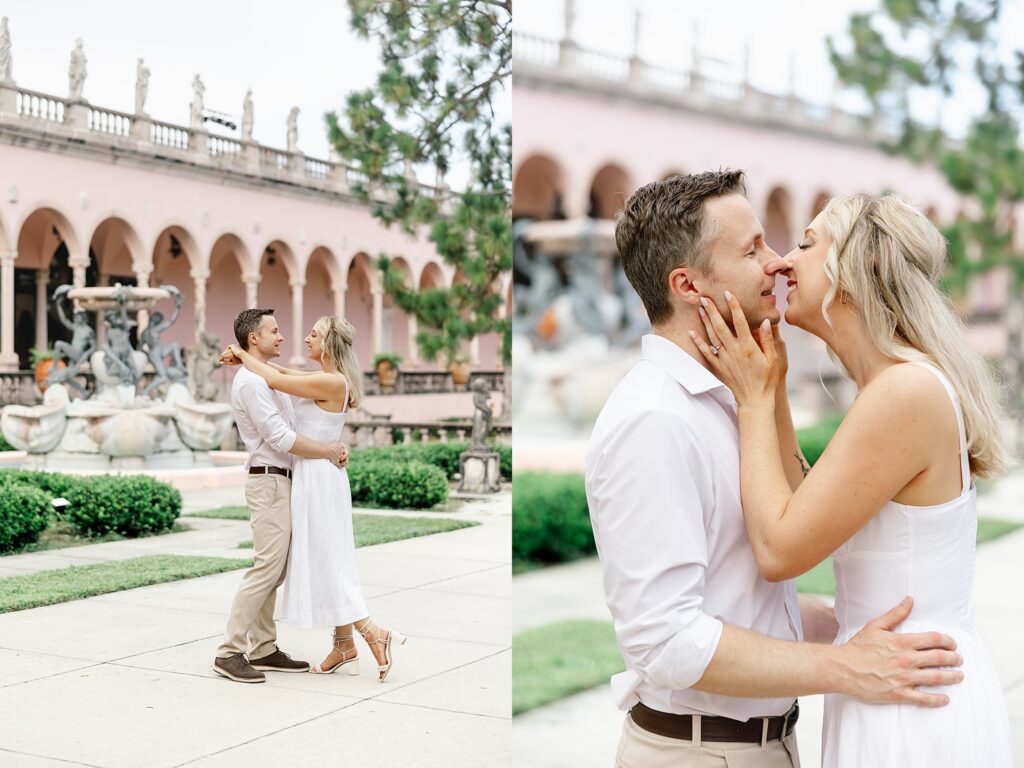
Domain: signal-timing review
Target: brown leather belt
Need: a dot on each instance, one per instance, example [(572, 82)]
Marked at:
[(270, 471), (714, 728)]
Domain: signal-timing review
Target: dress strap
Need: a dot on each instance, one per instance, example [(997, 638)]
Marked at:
[(965, 466)]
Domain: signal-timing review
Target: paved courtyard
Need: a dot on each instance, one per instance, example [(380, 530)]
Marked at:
[(124, 679)]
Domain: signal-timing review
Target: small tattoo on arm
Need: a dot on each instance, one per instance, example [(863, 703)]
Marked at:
[(804, 466)]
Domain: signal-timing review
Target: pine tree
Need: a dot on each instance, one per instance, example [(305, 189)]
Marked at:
[(913, 48), (444, 64)]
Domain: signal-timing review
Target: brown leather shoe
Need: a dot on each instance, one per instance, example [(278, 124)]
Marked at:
[(279, 661), (235, 667)]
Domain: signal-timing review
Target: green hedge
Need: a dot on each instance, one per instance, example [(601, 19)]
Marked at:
[(442, 455), (128, 505), (550, 521), (396, 485), (4, 445), (24, 514), (814, 438)]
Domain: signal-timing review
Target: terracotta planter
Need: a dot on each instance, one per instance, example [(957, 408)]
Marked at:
[(387, 374), (460, 373), (43, 371)]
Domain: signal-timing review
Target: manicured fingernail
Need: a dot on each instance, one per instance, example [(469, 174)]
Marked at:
[(704, 300), (728, 296), (693, 335), (702, 312), (766, 324)]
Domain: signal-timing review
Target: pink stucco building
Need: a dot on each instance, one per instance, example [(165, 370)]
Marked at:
[(94, 197)]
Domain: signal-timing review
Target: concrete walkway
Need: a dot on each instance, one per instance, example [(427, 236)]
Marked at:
[(583, 730), (124, 679)]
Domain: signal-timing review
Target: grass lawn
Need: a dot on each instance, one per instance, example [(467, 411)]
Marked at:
[(820, 581), (60, 585), (369, 529), (60, 535), (557, 660)]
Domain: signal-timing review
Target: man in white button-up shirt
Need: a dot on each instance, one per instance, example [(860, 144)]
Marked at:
[(264, 419), (701, 631)]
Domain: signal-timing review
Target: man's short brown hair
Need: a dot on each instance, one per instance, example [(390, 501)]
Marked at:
[(663, 227), (248, 321)]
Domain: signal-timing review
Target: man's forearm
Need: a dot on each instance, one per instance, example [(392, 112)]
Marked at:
[(754, 666), (308, 448)]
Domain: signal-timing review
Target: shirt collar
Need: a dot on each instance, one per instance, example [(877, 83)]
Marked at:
[(693, 376)]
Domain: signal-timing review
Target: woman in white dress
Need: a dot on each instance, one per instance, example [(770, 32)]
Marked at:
[(322, 586), (891, 498)]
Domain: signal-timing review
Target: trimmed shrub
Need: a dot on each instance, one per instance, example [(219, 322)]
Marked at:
[(396, 484), (4, 445), (24, 514), (815, 438), (130, 505), (550, 521), (55, 484), (442, 455)]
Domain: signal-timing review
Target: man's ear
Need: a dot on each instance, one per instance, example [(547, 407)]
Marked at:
[(685, 285)]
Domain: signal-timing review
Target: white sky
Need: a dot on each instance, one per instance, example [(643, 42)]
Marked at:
[(780, 32), (296, 53)]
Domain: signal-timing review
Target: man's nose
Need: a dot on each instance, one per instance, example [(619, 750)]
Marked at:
[(773, 263)]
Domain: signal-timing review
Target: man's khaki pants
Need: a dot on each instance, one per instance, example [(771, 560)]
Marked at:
[(251, 626), (642, 749)]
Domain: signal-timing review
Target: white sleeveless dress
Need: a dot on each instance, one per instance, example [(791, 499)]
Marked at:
[(322, 586), (927, 553)]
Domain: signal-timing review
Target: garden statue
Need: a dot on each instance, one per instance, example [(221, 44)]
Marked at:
[(141, 87), (5, 52), (196, 118), (118, 356), (202, 362), (293, 130), (483, 420), (158, 352), (480, 464), (76, 73), (83, 344), (247, 116)]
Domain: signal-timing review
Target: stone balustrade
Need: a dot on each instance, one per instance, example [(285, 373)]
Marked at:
[(19, 387), (55, 118), (565, 61), (369, 434)]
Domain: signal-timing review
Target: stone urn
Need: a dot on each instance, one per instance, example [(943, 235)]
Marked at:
[(386, 367), (459, 370)]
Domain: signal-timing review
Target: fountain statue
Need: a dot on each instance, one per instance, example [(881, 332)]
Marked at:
[(117, 427)]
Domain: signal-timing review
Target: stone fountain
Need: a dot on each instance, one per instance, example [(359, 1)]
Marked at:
[(117, 427)]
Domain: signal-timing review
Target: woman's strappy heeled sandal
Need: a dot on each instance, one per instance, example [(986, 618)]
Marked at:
[(370, 627), (351, 664)]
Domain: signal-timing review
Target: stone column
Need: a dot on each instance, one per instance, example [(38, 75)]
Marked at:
[(414, 350), (200, 277), (298, 359), (142, 273), (339, 299), (42, 331), (377, 327), (78, 266), (252, 281), (8, 358), (474, 352), (103, 281)]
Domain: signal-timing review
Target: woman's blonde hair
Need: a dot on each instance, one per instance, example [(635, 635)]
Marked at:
[(337, 335), (887, 257)]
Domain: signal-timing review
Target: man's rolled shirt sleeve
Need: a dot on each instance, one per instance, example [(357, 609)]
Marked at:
[(269, 421), (652, 495)]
